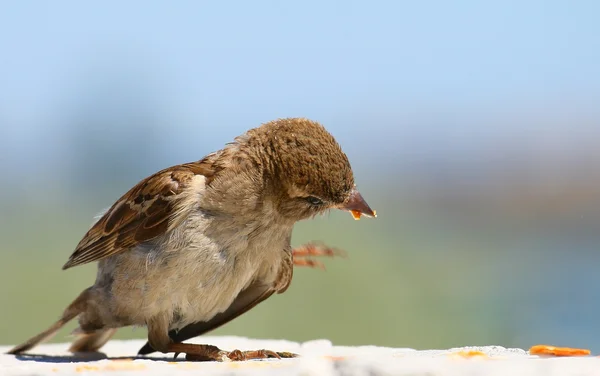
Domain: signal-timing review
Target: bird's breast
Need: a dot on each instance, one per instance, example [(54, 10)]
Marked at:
[(189, 275)]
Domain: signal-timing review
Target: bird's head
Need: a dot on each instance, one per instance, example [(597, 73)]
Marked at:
[(306, 171)]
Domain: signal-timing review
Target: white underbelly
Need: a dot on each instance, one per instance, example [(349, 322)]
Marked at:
[(191, 278), (186, 286)]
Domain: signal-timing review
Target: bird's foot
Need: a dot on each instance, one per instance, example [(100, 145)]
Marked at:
[(205, 353), (303, 253)]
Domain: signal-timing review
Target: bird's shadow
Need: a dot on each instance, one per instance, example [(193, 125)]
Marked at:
[(88, 357)]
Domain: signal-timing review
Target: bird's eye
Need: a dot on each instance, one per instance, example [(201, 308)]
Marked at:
[(314, 200)]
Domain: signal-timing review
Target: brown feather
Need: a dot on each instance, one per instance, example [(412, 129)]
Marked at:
[(90, 342), (72, 311), (142, 214)]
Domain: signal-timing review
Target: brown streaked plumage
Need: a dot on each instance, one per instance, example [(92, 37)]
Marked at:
[(142, 214), (195, 245)]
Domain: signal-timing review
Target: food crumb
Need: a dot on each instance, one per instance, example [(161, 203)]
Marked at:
[(85, 368), (557, 351), (469, 354)]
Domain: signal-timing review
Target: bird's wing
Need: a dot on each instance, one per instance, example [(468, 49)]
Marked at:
[(153, 206), (246, 300)]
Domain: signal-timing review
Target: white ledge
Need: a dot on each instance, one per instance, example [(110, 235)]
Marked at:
[(318, 357)]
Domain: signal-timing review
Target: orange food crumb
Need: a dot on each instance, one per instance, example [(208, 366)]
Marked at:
[(470, 354), (557, 351), (115, 365), (85, 368)]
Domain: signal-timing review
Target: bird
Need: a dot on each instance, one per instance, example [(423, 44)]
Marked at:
[(195, 245)]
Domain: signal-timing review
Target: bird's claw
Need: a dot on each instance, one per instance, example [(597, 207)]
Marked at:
[(302, 255), (240, 356)]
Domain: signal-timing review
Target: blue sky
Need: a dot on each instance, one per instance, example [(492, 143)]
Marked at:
[(232, 65)]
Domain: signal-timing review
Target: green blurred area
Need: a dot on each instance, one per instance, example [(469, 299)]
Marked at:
[(417, 276), (381, 281)]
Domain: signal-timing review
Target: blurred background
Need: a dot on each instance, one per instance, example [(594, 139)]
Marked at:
[(472, 126)]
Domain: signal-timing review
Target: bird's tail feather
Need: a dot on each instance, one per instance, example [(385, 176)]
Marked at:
[(74, 309), (88, 342)]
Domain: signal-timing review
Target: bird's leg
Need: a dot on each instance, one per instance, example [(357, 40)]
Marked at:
[(158, 337), (303, 253), (213, 353)]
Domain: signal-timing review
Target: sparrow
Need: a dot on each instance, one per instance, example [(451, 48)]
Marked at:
[(195, 245)]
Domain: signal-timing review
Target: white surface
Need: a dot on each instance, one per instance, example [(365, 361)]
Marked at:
[(319, 357)]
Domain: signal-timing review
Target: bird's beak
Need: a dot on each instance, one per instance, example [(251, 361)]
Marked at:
[(357, 206)]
